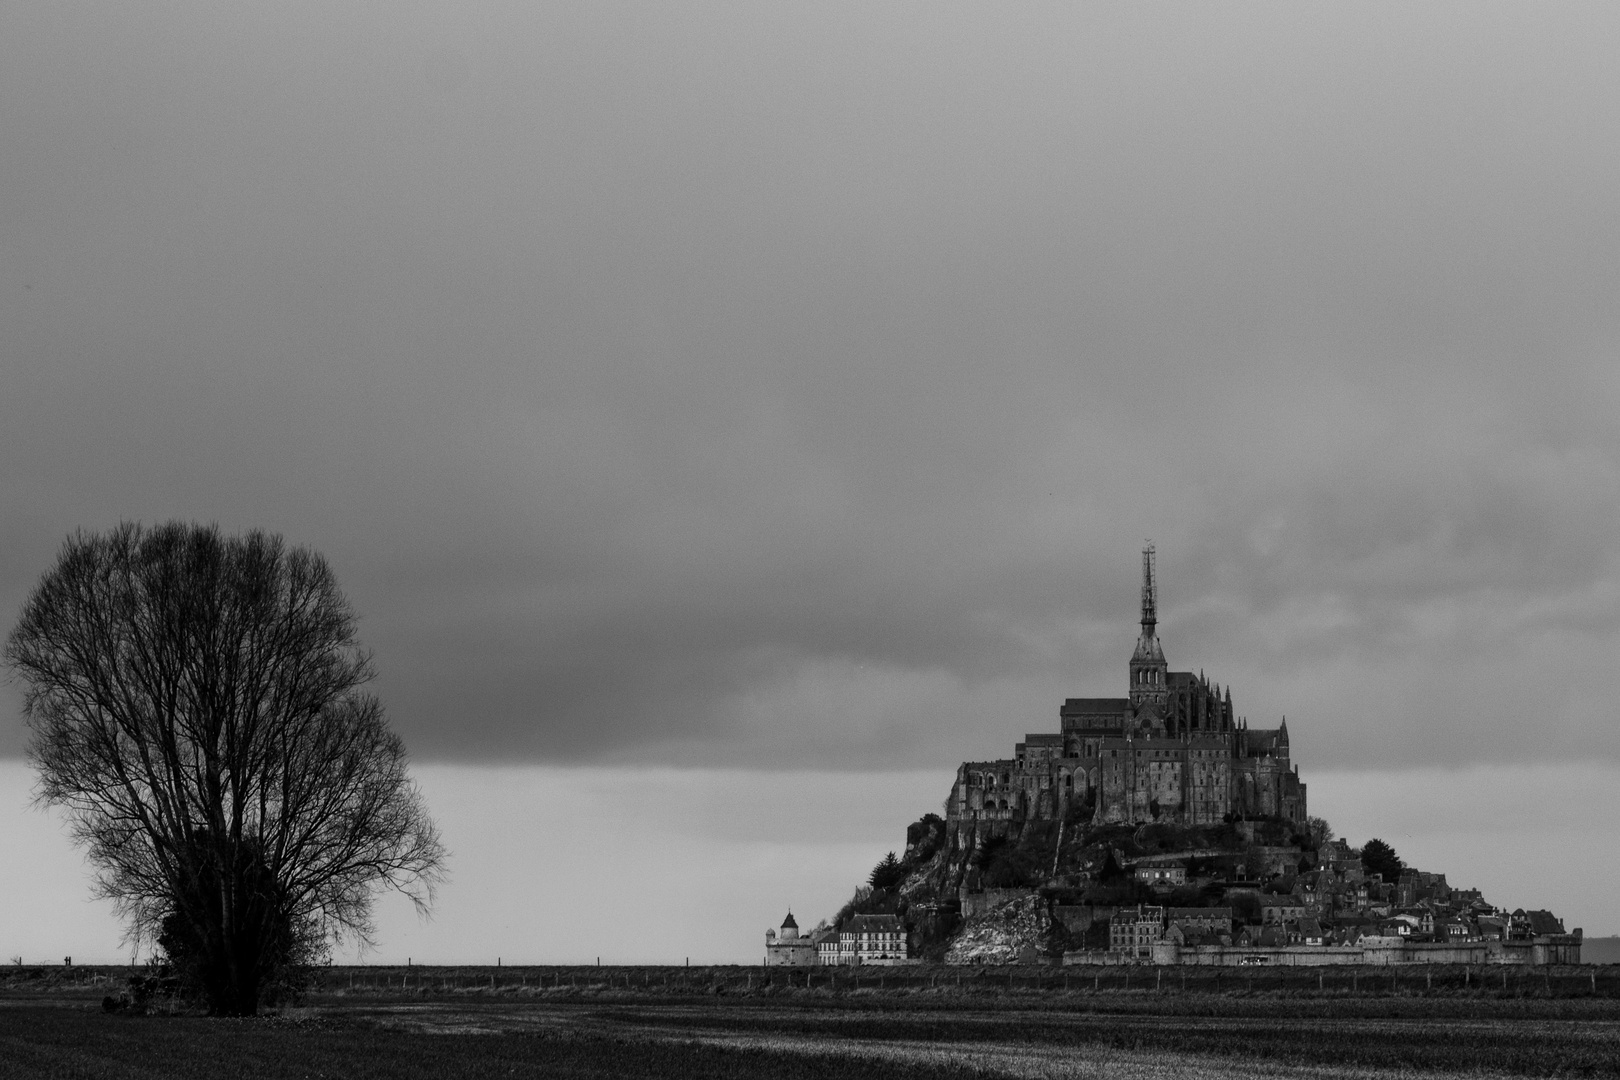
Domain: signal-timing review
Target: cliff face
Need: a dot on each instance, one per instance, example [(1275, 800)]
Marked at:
[(1017, 931)]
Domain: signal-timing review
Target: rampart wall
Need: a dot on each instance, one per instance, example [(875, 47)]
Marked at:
[(1375, 952), (979, 901)]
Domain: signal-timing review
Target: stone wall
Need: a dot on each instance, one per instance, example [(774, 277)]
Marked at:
[(800, 953), (1078, 918), (1374, 952), (979, 901), (1096, 958)]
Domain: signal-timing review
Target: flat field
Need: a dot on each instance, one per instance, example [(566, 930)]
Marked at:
[(733, 1023)]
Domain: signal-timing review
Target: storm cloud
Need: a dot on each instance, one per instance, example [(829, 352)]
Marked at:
[(794, 386)]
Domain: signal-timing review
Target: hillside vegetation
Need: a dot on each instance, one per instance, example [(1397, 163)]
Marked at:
[(1046, 869)]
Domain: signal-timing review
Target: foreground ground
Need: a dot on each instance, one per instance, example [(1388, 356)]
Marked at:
[(59, 1031)]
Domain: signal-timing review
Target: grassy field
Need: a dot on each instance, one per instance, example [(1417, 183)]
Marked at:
[(52, 1026)]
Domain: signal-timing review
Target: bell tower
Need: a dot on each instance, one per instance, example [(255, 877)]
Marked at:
[(1148, 669)]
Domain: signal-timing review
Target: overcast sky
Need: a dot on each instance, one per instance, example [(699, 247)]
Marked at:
[(794, 386)]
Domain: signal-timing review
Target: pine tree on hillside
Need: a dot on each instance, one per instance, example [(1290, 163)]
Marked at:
[(887, 873)]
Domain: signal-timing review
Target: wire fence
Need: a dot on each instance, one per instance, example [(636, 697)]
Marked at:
[(1448, 980)]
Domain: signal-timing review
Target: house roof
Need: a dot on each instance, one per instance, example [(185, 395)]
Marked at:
[(1092, 706), (873, 924), (1544, 922), (1263, 739), (1205, 913)]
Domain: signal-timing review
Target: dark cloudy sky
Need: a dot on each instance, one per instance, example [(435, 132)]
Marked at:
[(793, 386)]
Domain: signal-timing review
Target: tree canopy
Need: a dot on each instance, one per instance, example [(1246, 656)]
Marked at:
[(197, 706), (1378, 857), (888, 873)]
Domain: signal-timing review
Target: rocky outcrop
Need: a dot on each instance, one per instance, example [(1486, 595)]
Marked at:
[(1010, 933)]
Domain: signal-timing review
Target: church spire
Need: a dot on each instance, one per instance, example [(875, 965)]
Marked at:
[(1150, 594), (1149, 683)]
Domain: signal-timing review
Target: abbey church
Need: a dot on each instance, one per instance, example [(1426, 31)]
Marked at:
[(1173, 750)]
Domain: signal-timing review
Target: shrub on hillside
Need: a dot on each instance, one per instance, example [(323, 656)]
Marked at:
[(1003, 864), (923, 838), (1245, 906), (1125, 893)]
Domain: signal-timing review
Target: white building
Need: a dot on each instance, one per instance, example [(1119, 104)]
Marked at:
[(866, 939)]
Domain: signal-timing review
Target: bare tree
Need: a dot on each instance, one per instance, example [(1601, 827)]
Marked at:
[(1319, 832), (196, 705)]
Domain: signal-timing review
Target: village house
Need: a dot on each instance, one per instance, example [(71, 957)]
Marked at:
[(1527, 924), (1280, 910), (1216, 919), (865, 939), (1133, 931), (1169, 874)]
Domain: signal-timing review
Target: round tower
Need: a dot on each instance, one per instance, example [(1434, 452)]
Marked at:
[(790, 929)]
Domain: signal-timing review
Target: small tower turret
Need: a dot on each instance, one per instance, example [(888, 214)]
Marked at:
[(790, 929)]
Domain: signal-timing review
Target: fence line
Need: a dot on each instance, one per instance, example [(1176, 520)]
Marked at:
[(1447, 980)]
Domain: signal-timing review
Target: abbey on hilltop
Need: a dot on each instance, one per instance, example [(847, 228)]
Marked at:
[(1172, 751)]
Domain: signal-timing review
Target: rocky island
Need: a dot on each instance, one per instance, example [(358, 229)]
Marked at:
[(1156, 828)]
